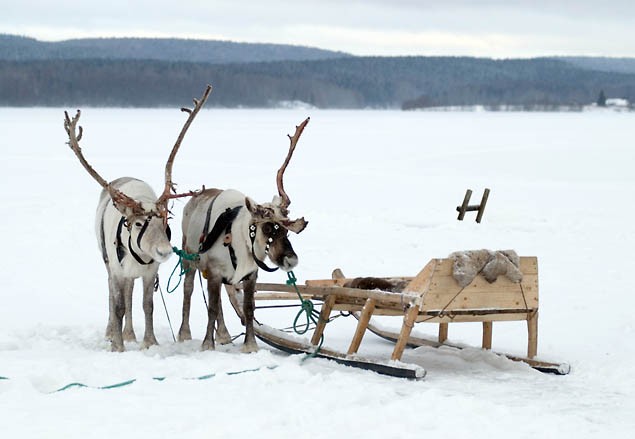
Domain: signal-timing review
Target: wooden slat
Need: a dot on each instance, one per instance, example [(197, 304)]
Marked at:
[(516, 316), (532, 331), (446, 294), (385, 297), (487, 335), (362, 324), (406, 329), (443, 332), (266, 295), (325, 313), (528, 265)]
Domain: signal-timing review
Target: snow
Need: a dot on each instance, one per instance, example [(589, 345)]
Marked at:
[(379, 189)]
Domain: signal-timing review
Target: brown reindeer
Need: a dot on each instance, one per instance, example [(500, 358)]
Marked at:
[(132, 233), (233, 235)]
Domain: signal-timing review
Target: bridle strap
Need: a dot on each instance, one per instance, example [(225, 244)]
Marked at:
[(135, 255), (259, 263), (121, 251), (143, 230)]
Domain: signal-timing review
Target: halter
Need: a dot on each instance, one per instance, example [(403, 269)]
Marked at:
[(121, 251), (252, 235)]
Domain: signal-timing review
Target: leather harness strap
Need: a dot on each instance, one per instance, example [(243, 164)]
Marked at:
[(222, 225), (121, 250)]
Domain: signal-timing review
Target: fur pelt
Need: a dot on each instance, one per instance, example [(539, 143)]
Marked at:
[(491, 264)]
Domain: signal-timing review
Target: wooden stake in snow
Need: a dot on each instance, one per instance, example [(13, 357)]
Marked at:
[(465, 207)]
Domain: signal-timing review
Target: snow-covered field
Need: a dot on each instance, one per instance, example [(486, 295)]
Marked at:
[(379, 189)]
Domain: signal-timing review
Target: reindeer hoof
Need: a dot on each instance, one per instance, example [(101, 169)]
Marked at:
[(129, 335), (150, 341), (115, 347), (184, 335), (208, 345), (249, 348), (223, 338)]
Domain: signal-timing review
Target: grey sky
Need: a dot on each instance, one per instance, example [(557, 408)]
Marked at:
[(494, 28)]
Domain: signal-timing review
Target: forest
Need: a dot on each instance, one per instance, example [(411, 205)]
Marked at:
[(32, 77)]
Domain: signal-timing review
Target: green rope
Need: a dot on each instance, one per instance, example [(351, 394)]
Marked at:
[(131, 381), (182, 255), (311, 315)]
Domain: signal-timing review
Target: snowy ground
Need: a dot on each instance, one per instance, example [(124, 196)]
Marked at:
[(379, 189)]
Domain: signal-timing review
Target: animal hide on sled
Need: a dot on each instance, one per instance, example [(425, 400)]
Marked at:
[(491, 264)]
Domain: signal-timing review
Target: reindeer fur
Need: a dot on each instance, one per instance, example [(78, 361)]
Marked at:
[(215, 263), (491, 264), (155, 245)]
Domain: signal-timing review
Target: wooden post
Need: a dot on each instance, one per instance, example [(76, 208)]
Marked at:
[(325, 313), (362, 324), (532, 332), (408, 322), (443, 332), (463, 208), (487, 335)]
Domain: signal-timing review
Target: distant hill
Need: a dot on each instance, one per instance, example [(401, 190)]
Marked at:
[(16, 48), (602, 64), (164, 72)]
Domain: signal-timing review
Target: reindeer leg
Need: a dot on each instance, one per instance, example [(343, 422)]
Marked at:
[(222, 334), (188, 287), (117, 309), (213, 292), (148, 308), (248, 310), (128, 329), (110, 327)]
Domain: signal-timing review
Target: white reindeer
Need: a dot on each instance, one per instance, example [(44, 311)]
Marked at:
[(232, 236), (132, 234)]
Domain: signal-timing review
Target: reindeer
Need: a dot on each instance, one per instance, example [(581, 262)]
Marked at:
[(233, 235), (133, 235)]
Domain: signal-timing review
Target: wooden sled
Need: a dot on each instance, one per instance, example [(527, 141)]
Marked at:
[(433, 296)]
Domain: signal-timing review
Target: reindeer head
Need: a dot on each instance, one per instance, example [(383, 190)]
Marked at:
[(146, 221), (270, 222), (148, 235)]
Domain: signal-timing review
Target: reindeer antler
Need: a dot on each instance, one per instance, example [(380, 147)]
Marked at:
[(293, 141), (169, 185), (121, 201)]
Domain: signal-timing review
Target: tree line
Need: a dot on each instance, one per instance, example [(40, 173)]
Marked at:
[(346, 82)]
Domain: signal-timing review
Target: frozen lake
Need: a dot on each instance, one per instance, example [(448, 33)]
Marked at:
[(379, 189)]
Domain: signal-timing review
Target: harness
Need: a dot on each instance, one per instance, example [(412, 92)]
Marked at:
[(121, 251), (223, 224), (119, 246), (252, 236)]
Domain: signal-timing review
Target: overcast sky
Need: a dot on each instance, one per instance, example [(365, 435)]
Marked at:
[(491, 28)]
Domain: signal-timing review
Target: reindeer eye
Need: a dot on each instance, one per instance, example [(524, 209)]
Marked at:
[(138, 224), (267, 228)]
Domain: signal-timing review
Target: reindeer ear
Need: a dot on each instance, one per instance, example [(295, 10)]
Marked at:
[(296, 226), (251, 205)]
